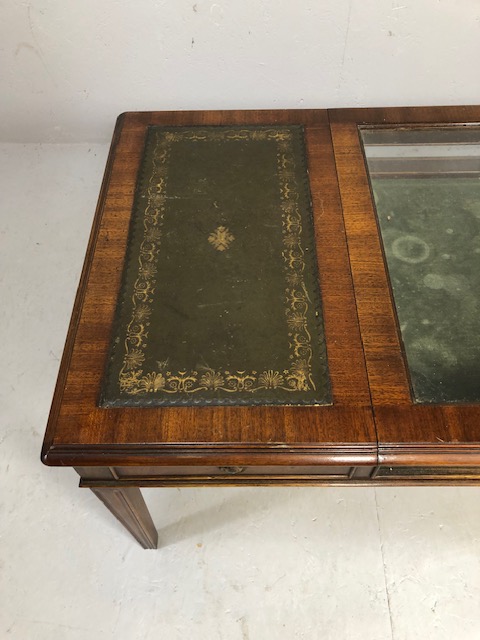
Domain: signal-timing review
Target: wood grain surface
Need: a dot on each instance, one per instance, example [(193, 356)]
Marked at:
[(81, 433), (408, 433)]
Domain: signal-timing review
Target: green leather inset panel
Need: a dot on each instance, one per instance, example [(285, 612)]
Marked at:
[(220, 301)]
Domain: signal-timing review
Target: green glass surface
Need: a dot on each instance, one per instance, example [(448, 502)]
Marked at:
[(428, 207), (220, 301)]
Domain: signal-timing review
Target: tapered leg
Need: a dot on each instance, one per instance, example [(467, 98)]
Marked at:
[(128, 506)]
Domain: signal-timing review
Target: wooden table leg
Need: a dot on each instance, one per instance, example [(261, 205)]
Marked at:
[(128, 506)]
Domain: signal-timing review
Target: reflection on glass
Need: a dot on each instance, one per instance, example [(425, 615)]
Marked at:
[(426, 187)]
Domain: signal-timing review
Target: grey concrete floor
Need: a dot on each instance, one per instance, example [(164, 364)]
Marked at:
[(249, 563)]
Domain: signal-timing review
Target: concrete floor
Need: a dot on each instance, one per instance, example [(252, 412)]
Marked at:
[(250, 563)]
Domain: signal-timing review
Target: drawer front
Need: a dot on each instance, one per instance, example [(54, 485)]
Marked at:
[(337, 471), (222, 475), (427, 473)]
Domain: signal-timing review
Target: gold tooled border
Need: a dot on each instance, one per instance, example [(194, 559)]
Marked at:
[(133, 380)]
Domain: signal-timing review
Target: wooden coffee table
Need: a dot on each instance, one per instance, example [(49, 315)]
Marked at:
[(374, 431)]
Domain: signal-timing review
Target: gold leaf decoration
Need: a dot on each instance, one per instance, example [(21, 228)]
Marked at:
[(221, 238)]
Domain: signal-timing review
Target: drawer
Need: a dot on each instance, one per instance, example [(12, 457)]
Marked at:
[(222, 475), (404, 474)]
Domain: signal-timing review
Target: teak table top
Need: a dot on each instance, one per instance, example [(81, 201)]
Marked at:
[(372, 419)]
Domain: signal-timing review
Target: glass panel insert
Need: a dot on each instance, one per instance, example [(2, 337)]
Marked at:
[(426, 188)]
